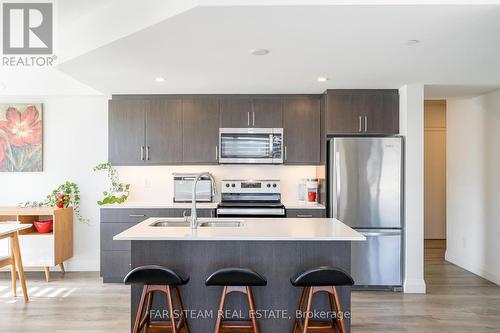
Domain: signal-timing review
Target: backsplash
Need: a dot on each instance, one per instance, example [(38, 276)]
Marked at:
[(155, 183)]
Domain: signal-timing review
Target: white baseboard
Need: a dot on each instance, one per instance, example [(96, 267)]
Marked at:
[(478, 270), (414, 286)]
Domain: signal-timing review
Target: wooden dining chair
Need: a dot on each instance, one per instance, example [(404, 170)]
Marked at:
[(14, 261)]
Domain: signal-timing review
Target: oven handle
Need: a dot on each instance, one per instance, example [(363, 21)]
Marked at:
[(250, 211)]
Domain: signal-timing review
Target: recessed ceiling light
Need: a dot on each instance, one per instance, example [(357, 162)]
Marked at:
[(322, 79), (160, 79), (259, 52), (412, 42)]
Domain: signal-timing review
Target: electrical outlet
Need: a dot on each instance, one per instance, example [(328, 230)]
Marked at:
[(146, 182)]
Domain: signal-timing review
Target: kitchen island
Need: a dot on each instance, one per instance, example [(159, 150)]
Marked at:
[(276, 248)]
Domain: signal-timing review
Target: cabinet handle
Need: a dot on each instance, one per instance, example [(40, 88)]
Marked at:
[(366, 124), (137, 215), (360, 129), (248, 118), (285, 154), (216, 152), (253, 118), (147, 153), (304, 215), (142, 153)]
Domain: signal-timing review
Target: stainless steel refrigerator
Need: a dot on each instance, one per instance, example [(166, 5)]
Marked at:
[(365, 192)]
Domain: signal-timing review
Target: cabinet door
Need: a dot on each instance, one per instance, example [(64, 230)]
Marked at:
[(164, 131), (305, 213), (127, 131), (301, 124), (342, 113), (200, 130), (236, 112), (380, 112), (267, 112)]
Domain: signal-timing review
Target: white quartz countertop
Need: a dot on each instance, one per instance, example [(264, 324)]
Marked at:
[(206, 205), (277, 229)]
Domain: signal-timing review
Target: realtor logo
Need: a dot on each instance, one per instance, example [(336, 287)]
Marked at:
[(27, 28)]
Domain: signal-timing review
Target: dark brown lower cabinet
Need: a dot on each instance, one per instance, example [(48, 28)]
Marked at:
[(115, 255), (306, 213)]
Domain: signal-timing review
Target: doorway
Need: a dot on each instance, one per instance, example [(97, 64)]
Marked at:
[(435, 169)]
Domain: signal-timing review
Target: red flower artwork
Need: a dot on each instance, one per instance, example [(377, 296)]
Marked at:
[(20, 137), (23, 128)]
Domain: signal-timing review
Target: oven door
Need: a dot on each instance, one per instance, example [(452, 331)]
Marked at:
[(251, 145)]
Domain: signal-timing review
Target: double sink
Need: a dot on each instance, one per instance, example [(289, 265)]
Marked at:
[(202, 222)]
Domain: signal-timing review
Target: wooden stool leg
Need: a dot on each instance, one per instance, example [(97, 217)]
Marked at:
[(19, 263), (251, 306), (171, 309), (339, 311), (140, 309), (184, 321), (299, 308), (61, 266), (47, 273), (308, 309), (13, 270), (218, 322), (146, 316)]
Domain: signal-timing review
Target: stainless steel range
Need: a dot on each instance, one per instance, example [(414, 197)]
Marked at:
[(251, 198)]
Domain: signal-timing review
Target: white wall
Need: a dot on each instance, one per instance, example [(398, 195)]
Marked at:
[(412, 128), (75, 139), (155, 183), (473, 185)]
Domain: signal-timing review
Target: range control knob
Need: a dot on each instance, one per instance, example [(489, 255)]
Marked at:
[(274, 185), (268, 185), (227, 185), (234, 185)]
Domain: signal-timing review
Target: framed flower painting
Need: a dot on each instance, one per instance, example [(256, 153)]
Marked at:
[(21, 138)]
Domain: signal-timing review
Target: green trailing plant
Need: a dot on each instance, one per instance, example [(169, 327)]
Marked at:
[(67, 194), (118, 192)]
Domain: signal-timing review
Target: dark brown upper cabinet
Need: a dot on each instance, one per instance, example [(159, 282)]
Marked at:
[(267, 112), (251, 111), (164, 131), (361, 112), (200, 130), (127, 131), (236, 112), (301, 125), (145, 131)]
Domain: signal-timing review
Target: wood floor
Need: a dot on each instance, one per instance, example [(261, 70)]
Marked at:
[(457, 301)]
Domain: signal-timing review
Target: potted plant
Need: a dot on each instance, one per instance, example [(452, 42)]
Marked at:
[(118, 192), (67, 194)]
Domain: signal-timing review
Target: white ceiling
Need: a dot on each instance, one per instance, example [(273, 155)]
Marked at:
[(206, 50)]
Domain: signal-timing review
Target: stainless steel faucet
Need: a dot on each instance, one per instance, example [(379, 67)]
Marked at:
[(194, 216)]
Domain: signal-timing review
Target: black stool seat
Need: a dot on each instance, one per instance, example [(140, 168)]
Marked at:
[(156, 275), (322, 276), (234, 276)]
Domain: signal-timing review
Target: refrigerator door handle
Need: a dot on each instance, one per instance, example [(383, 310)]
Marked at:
[(337, 183), (371, 233)]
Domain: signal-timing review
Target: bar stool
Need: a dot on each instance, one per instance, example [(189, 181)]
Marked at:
[(236, 280), (158, 279), (321, 279)]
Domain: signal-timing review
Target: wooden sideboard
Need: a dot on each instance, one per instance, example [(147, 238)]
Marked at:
[(43, 250)]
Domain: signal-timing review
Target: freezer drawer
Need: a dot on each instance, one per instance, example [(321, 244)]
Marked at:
[(377, 262)]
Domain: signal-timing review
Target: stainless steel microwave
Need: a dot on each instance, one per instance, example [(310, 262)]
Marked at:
[(251, 145)]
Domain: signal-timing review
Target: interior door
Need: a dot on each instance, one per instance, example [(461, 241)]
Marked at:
[(365, 176)]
